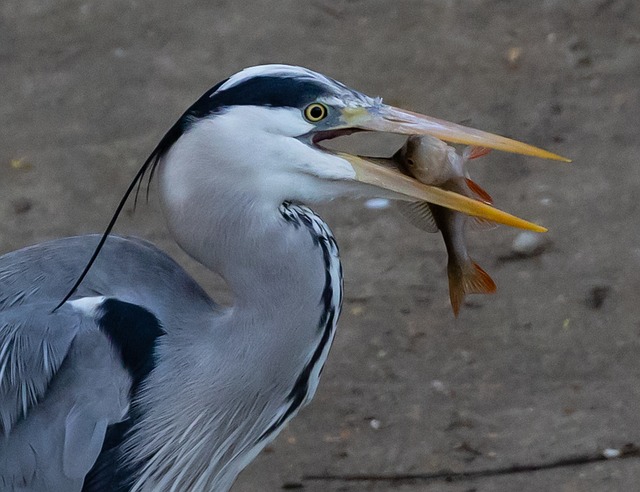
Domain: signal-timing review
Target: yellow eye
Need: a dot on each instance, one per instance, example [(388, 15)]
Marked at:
[(315, 112)]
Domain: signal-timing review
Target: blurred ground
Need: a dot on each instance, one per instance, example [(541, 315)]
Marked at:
[(545, 370)]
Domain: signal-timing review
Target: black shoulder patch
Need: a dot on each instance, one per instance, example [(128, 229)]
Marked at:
[(133, 331)]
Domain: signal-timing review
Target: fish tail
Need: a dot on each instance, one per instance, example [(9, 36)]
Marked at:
[(477, 281), (469, 280)]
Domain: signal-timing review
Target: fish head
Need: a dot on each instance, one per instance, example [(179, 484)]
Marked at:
[(428, 159)]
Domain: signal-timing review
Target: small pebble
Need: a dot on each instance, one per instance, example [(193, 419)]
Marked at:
[(375, 424), (514, 54), (377, 203), (545, 201), (611, 453), (529, 244), (357, 310), (20, 164), (438, 386)]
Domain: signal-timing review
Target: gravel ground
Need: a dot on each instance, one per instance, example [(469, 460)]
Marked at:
[(527, 387)]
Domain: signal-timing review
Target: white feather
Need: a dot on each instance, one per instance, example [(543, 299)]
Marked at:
[(87, 305), (275, 70)]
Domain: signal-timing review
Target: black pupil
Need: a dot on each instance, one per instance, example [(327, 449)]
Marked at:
[(316, 112)]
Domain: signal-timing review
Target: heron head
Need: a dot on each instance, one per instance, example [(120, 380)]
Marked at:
[(261, 130)]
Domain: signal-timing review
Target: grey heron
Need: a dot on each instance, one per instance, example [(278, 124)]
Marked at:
[(139, 381)]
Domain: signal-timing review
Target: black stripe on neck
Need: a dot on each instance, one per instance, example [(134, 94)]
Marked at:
[(327, 322)]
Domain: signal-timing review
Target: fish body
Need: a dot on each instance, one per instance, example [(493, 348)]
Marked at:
[(465, 275), (433, 162), (430, 160)]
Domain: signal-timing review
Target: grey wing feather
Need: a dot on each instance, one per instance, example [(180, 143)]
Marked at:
[(59, 410), (61, 380), (63, 383), (82, 441), (31, 352)]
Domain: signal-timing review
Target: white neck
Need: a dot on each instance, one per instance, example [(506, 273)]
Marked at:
[(229, 220), (282, 266)]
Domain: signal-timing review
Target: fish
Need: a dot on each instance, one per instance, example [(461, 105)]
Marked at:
[(435, 163)]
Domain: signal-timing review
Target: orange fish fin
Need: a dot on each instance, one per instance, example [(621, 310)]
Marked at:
[(477, 281), (477, 151), (456, 285), (419, 214), (456, 295), (471, 280), (479, 191)]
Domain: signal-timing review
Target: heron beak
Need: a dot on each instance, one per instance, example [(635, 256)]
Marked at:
[(409, 189), (385, 118)]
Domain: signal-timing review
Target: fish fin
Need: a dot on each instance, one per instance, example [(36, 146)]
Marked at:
[(456, 295), (419, 214), (472, 280), (475, 151), (477, 281), (456, 285), (479, 191), (480, 224)]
